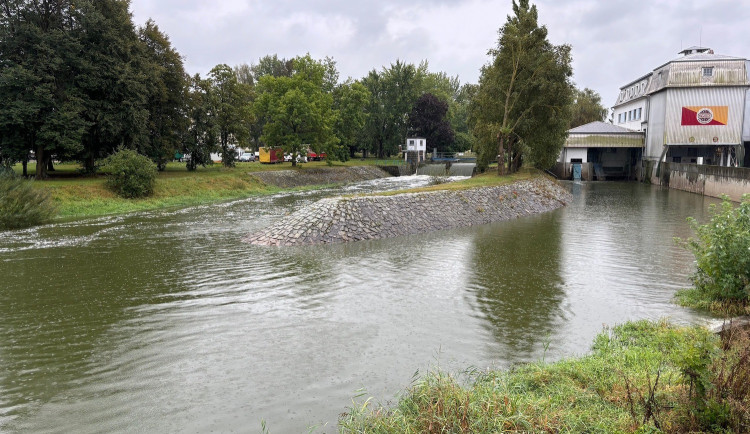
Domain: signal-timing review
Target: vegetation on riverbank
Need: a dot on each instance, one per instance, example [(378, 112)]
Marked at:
[(85, 196), (640, 377), (721, 282)]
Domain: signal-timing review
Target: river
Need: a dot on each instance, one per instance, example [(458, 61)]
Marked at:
[(167, 322)]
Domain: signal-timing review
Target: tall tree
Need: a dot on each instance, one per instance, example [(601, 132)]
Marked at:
[(522, 107), (166, 96), (272, 65), (349, 102), (232, 108), (429, 119), (587, 107), (113, 80), (394, 91), (201, 138), (295, 111), (40, 55)]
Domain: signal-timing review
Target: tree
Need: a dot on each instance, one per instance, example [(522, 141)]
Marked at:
[(522, 107), (349, 102), (295, 110), (201, 137), (428, 119), (273, 66), (231, 105), (166, 96), (113, 80), (394, 91), (40, 54), (587, 107)]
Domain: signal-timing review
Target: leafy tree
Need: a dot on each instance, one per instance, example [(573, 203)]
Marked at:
[(166, 96), (349, 102), (273, 66), (113, 79), (40, 53), (428, 119), (244, 74), (295, 111), (202, 135), (459, 117), (394, 91), (522, 107), (231, 105), (587, 107)]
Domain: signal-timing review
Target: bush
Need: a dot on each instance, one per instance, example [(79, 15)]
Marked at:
[(21, 205), (130, 174), (722, 253)]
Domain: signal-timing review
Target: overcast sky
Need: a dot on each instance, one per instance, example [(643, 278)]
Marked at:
[(614, 41)]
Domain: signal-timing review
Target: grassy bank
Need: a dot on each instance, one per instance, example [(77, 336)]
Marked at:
[(77, 195), (639, 377), (81, 196)]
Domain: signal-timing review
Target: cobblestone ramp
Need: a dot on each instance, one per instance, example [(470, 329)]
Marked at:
[(337, 220)]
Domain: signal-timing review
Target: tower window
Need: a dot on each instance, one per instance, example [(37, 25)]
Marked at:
[(708, 71)]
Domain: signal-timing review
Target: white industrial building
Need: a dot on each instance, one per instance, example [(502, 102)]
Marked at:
[(694, 109)]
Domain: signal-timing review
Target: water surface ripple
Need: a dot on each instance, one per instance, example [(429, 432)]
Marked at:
[(165, 321)]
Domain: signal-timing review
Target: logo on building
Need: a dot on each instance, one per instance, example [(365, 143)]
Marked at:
[(705, 115)]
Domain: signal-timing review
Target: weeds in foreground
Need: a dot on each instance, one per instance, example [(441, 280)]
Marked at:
[(21, 205), (640, 377)]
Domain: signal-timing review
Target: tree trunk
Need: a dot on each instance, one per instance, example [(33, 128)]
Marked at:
[(25, 164), (41, 163), (50, 165), (501, 157)]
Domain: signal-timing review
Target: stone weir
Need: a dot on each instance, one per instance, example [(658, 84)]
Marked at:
[(320, 176), (345, 219)]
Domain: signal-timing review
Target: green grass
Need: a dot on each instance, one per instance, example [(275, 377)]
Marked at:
[(609, 390), (76, 195)]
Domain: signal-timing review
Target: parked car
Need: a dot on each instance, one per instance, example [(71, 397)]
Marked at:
[(247, 156)]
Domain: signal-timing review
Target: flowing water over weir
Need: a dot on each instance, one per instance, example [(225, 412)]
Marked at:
[(447, 169), (167, 322)]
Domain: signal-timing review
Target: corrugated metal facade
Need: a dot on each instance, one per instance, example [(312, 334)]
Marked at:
[(604, 141), (679, 98), (657, 108), (690, 74)]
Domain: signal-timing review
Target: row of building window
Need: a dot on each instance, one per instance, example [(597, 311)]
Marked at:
[(632, 115)]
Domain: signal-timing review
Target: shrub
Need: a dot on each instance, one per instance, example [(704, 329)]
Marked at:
[(130, 174), (722, 253), (21, 205)]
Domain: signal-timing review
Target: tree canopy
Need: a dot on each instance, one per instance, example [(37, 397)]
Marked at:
[(522, 107), (428, 119), (587, 107), (296, 111)]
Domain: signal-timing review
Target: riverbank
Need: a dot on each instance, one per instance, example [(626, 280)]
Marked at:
[(86, 196), (344, 219), (640, 377)]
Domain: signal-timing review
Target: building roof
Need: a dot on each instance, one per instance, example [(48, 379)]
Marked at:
[(599, 127)]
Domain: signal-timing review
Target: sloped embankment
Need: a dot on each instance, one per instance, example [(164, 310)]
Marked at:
[(337, 220), (320, 176)]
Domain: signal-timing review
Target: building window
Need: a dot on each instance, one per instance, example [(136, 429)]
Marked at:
[(630, 115), (639, 113), (708, 71)]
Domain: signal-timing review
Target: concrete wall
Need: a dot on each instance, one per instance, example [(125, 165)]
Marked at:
[(565, 171), (713, 181)]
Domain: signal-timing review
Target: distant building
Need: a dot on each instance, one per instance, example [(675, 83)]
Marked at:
[(599, 150), (416, 149), (694, 109)]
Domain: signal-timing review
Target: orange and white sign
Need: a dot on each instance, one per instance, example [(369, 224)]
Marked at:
[(705, 115)]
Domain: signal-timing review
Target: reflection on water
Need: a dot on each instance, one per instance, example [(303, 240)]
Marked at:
[(517, 283), (165, 321)]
